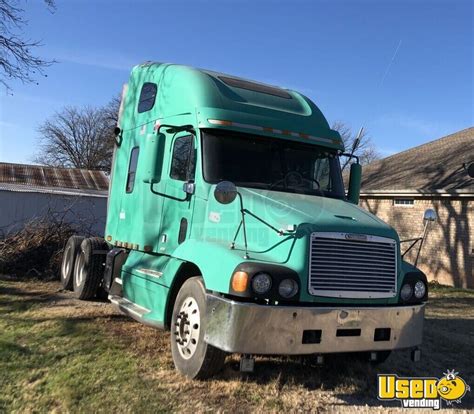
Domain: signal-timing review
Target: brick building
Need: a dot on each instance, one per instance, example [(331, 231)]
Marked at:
[(401, 187)]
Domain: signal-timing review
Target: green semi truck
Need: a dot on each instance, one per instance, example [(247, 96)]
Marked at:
[(228, 224)]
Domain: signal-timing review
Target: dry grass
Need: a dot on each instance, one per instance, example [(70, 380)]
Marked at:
[(59, 354), (36, 249)]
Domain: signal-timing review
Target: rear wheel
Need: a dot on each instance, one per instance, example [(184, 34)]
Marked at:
[(192, 356), (71, 249), (89, 267)]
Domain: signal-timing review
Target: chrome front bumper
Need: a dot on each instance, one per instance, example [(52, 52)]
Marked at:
[(248, 328)]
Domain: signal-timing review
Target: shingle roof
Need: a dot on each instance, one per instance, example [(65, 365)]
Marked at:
[(37, 178), (433, 167)]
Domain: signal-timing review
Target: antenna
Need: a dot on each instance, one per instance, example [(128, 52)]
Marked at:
[(356, 143)]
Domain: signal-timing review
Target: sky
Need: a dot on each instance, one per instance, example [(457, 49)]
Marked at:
[(402, 69)]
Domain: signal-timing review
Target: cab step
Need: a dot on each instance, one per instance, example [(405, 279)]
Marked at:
[(129, 308), (137, 312)]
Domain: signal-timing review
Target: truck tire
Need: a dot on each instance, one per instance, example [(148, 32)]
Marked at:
[(89, 267), (192, 356), (71, 249)]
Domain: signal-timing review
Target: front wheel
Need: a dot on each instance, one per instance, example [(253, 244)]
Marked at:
[(192, 356)]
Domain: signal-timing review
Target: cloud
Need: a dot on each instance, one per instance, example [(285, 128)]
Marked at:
[(103, 60)]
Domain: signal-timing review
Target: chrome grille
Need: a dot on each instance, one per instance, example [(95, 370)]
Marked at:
[(352, 266)]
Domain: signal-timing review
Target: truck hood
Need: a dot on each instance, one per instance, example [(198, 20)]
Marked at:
[(318, 213)]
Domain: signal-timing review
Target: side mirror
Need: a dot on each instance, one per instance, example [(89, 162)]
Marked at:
[(225, 192), (153, 152), (118, 136), (430, 215), (354, 183)]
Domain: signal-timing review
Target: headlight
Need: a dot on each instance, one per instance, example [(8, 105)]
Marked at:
[(288, 288), (261, 283), (420, 289), (406, 292)]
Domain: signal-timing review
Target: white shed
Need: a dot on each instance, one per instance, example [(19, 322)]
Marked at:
[(28, 192)]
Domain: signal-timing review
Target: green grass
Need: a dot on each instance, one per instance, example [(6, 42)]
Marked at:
[(437, 288), (65, 363), (58, 354)]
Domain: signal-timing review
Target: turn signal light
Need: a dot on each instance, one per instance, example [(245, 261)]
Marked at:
[(240, 281)]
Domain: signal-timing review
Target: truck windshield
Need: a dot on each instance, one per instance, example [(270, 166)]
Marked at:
[(273, 164)]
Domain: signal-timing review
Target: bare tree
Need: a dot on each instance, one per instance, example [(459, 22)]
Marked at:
[(365, 150), (111, 110), (17, 59), (79, 137)]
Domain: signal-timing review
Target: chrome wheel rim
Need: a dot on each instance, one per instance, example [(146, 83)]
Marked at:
[(187, 326), (66, 263), (80, 273)]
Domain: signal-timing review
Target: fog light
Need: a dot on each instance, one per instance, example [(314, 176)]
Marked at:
[(406, 292), (261, 283), (288, 288), (420, 289)]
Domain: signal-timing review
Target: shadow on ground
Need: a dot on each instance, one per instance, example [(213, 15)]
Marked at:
[(448, 344)]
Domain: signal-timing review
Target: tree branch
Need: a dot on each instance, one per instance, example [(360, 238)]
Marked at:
[(17, 59)]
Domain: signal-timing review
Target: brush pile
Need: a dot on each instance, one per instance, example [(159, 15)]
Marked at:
[(35, 250)]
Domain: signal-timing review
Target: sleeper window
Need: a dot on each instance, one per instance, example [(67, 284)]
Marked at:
[(183, 162), (132, 170), (147, 97)]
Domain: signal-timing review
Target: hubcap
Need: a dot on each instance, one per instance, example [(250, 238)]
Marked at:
[(186, 328), (80, 274)]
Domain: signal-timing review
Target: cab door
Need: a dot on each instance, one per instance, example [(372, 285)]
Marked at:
[(177, 204)]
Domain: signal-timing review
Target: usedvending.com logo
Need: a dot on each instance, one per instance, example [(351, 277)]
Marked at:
[(420, 392)]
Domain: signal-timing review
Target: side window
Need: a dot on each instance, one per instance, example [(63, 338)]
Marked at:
[(183, 162), (322, 174), (147, 97), (132, 169)]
